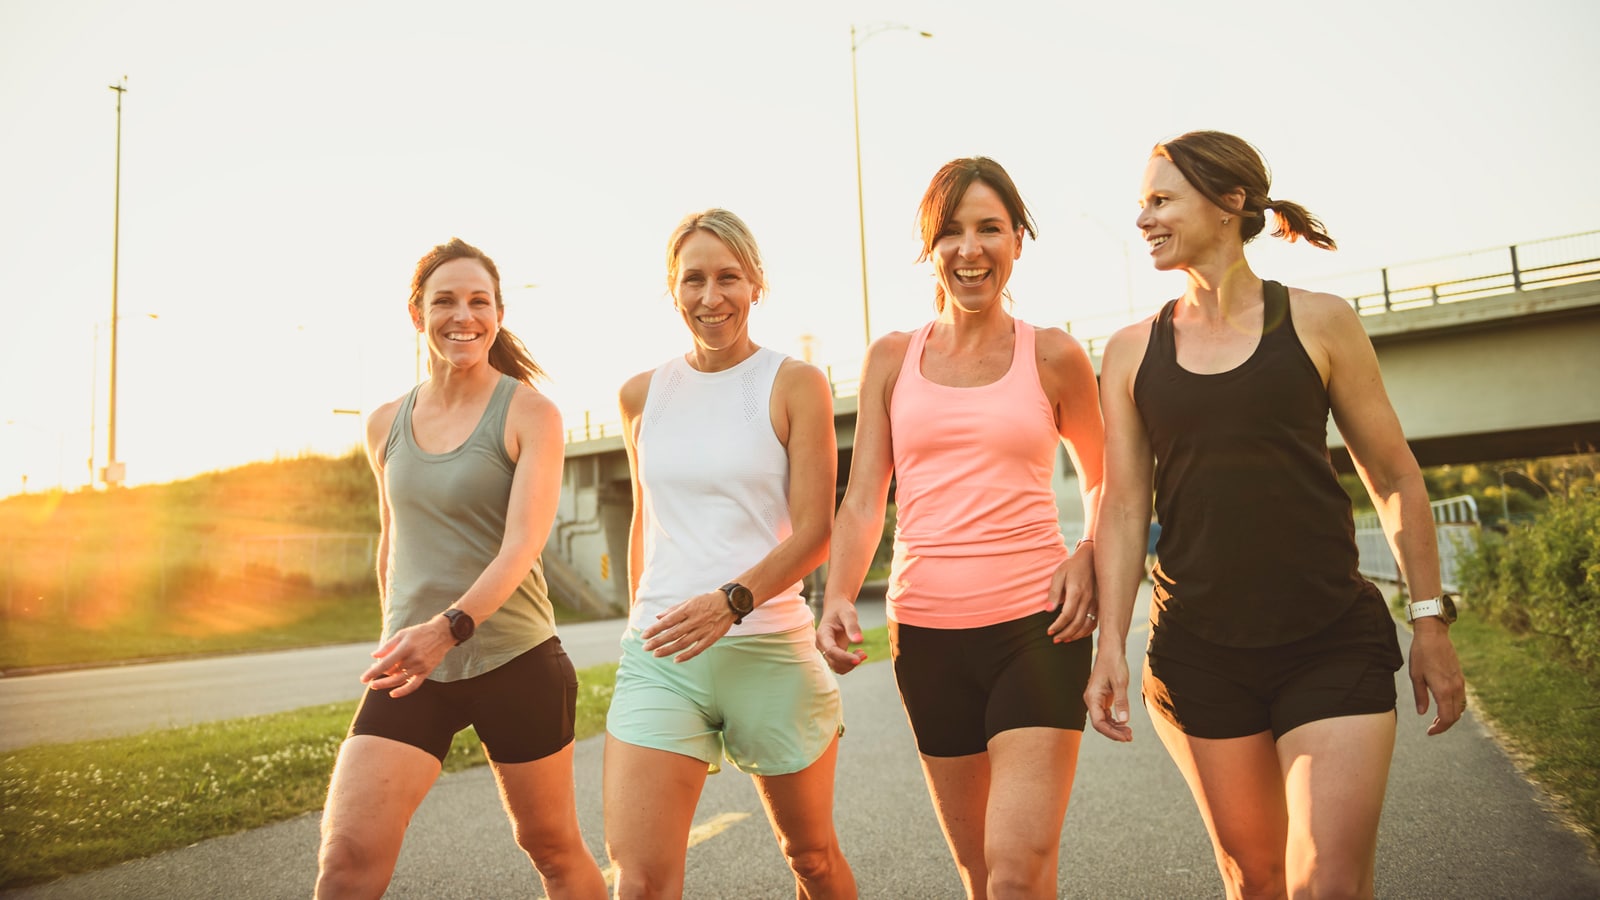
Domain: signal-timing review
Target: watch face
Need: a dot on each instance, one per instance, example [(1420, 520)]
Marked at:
[(1447, 608), (739, 597)]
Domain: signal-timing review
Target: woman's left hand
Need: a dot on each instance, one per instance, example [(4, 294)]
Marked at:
[(690, 627), (1072, 594), (405, 660)]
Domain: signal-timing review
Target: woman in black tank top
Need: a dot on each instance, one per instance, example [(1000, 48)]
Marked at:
[(1266, 644)]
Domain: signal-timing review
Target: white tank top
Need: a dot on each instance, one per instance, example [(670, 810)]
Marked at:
[(714, 486)]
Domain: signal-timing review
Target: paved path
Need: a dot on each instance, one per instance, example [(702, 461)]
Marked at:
[(1459, 823)]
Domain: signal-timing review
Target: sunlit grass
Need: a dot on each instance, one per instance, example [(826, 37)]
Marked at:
[(1544, 706)]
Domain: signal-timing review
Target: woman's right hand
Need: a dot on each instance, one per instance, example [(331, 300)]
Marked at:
[(839, 629)]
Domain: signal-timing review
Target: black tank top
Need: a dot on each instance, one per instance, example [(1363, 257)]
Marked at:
[(1257, 544)]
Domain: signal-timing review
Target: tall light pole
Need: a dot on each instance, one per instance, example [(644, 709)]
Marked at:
[(856, 40), (113, 471)]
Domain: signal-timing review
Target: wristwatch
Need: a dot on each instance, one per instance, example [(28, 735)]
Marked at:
[(461, 624), (1443, 606), (740, 600)]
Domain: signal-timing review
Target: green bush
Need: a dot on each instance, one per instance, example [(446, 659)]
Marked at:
[(1544, 576)]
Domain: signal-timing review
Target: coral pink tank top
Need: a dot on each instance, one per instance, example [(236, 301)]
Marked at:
[(977, 536)]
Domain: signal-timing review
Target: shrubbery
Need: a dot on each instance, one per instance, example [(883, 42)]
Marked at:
[(1544, 576)]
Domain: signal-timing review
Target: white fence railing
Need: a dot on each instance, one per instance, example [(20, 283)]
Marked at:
[(1455, 523)]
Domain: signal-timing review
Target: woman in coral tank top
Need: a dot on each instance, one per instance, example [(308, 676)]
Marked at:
[(989, 613)]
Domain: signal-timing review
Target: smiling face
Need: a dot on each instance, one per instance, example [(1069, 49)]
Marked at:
[(458, 312), (713, 292), (1182, 227), (975, 249)]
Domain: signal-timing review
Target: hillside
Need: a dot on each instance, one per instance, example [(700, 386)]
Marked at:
[(268, 554)]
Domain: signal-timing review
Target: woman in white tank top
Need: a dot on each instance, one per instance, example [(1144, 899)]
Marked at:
[(731, 449)]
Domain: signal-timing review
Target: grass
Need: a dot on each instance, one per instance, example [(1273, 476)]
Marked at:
[(301, 620), (1543, 706), (68, 808)]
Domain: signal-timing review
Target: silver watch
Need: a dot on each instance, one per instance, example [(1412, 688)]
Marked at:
[(1443, 606)]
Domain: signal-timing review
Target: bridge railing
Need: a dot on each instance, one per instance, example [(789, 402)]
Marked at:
[(1455, 525), (1468, 276)]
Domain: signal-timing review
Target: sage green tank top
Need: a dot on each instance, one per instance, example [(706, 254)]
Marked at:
[(447, 516)]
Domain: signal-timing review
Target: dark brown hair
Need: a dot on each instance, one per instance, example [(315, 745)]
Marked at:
[(1215, 163), (944, 194), (507, 354)]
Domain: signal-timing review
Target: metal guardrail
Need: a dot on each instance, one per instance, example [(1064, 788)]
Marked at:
[(1455, 526)]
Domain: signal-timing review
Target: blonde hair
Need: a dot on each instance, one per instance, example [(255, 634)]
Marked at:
[(725, 227)]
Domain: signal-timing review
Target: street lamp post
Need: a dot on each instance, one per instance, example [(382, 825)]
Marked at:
[(856, 40), (113, 471)]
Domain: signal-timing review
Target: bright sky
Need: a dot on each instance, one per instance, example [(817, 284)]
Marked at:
[(283, 169)]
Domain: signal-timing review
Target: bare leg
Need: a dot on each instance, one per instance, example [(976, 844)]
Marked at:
[(800, 808), (650, 796), (1238, 786), (1031, 772), (539, 799), (1335, 775), (959, 787), (377, 785)]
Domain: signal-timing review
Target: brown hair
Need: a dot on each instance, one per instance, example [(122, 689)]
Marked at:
[(944, 194), (725, 227), (507, 354), (1215, 163)]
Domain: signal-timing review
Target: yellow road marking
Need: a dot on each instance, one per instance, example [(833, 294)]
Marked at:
[(698, 834)]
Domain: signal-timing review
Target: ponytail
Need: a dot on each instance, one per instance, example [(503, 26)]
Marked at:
[(509, 355), (1295, 222)]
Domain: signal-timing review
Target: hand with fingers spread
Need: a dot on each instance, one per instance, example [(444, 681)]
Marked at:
[(405, 660), (837, 630), (688, 629)]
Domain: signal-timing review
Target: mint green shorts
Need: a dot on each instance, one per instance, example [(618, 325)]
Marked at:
[(766, 701)]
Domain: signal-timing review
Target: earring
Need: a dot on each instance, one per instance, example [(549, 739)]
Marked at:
[(1225, 220)]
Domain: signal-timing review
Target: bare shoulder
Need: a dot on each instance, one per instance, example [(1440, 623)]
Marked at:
[(887, 353), (1055, 344), (797, 374), (379, 424), (632, 395), (532, 406), (1321, 311), (1125, 349)]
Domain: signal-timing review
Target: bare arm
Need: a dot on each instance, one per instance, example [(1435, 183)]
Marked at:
[(1067, 376), (1123, 529), (378, 425), (803, 420), (533, 434), (1372, 432), (631, 401), (858, 525)]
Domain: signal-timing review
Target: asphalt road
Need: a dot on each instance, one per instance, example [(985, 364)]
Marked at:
[(1459, 823)]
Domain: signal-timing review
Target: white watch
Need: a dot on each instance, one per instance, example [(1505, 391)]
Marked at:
[(1443, 606)]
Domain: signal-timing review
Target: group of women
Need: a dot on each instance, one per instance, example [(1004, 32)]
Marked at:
[(1271, 661)]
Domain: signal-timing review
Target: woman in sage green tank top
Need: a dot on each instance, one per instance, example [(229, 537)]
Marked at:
[(469, 470)]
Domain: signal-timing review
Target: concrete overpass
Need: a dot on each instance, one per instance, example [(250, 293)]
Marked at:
[(1487, 355)]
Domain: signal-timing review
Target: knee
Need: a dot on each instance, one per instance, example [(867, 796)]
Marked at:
[(639, 883), (553, 851), (346, 867), (1254, 878), (1021, 869), (811, 864)]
